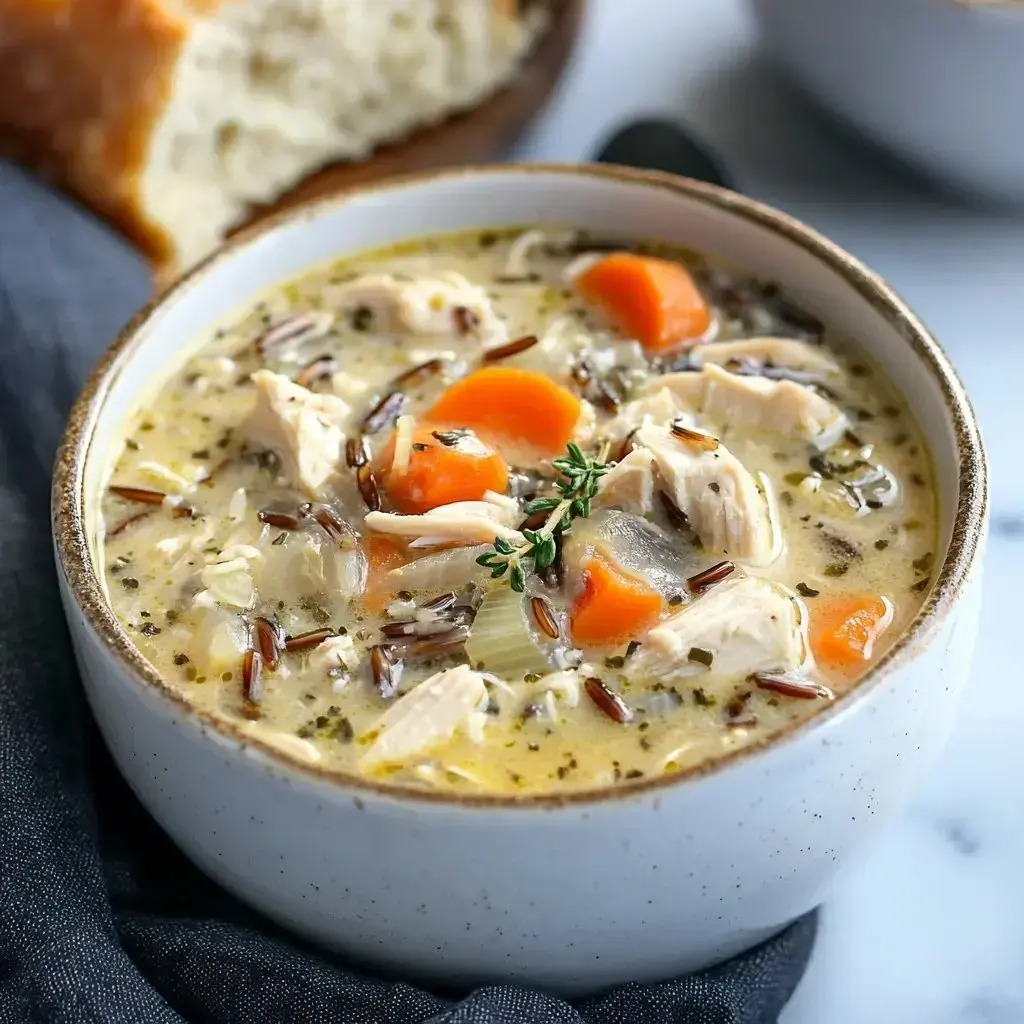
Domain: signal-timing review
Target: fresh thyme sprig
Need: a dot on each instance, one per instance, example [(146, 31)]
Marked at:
[(578, 486)]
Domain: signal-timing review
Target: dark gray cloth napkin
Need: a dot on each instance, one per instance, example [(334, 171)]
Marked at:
[(101, 918)]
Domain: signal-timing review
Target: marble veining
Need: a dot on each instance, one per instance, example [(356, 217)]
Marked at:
[(929, 928)]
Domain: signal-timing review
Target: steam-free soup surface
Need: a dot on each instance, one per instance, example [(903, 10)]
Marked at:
[(519, 512)]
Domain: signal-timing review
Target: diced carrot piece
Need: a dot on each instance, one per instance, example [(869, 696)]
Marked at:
[(655, 301), (501, 403), (440, 473), (614, 606), (844, 629), (383, 554)]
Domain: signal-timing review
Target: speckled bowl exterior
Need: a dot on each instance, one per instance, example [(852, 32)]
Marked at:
[(643, 881)]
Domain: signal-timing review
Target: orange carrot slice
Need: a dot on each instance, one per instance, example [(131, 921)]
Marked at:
[(383, 554), (652, 300), (441, 470), (501, 403), (844, 629), (614, 606)]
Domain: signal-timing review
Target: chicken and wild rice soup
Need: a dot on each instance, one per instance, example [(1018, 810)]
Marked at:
[(520, 511)]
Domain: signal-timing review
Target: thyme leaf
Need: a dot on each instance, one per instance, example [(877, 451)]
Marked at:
[(580, 480)]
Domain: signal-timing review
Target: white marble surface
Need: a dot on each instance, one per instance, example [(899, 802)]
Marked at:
[(930, 929)]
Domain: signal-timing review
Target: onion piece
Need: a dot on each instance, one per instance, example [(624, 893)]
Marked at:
[(444, 570), (502, 642)]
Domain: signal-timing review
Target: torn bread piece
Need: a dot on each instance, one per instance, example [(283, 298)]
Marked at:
[(720, 497), (305, 429), (172, 118), (429, 714), (448, 306), (460, 523), (745, 625), (783, 407)]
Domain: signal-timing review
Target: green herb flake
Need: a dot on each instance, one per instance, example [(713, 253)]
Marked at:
[(805, 591), (701, 656)]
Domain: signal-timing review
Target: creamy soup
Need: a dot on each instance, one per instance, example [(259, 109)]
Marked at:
[(518, 512)]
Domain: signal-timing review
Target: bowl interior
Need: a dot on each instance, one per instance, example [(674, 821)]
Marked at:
[(700, 217)]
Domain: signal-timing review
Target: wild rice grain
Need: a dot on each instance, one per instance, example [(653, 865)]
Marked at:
[(789, 686), (544, 616), (386, 671), (302, 642), (367, 484), (303, 327), (417, 373), (608, 701), (693, 438), (513, 348), (313, 371), (704, 580), (357, 452), (279, 520), (268, 640), (384, 413), (140, 495), (465, 320)]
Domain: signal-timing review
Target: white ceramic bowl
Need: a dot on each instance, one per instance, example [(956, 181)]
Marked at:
[(575, 893), (937, 82)]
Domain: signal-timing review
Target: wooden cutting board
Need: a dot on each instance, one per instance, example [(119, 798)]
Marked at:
[(481, 135)]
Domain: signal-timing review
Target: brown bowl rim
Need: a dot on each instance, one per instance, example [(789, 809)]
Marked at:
[(75, 559)]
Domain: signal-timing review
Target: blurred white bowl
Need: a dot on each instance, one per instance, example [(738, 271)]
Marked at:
[(938, 82)]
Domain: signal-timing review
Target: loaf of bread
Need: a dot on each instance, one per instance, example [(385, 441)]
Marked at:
[(171, 117)]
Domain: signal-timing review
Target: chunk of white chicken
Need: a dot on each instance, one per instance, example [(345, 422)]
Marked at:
[(306, 430), (629, 484), (228, 582), (783, 352), (775, 406), (462, 523), (747, 625), (448, 305), (720, 497), (219, 641), (429, 714), (658, 409)]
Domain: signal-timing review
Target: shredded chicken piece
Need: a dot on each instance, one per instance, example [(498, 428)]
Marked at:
[(720, 497), (446, 305), (228, 582), (429, 714), (748, 625), (777, 406), (564, 685), (659, 409), (305, 429), (334, 652), (629, 484), (462, 523), (787, 352), (166, 477)]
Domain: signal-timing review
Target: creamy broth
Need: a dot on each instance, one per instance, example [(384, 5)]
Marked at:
[(763, 530)]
